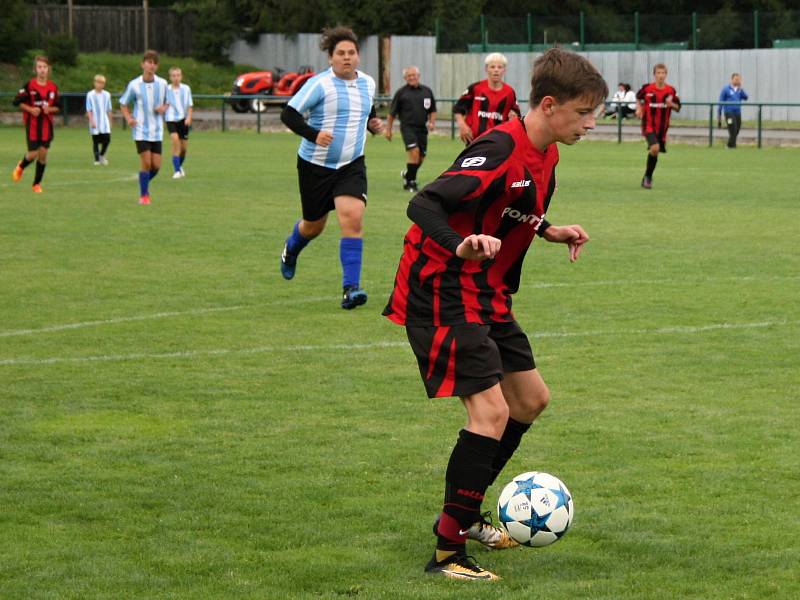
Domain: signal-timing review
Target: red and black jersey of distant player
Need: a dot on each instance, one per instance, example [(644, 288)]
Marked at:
[(484, 108), (656, 112), (38, 128), (501, 186)]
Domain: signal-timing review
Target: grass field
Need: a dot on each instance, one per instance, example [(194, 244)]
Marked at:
[(177, 421)]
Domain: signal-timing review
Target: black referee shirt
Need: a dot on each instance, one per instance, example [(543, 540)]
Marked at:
[(413, 105)]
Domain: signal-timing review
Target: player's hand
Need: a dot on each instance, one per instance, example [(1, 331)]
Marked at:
[(324, 138), (431, 125), (572, 235), (188, 121), (162, 109), (639, 112), (92, 124), (375, 125), (35, 111), (388, 134), (478, 247), (132, 123), (465, 133)]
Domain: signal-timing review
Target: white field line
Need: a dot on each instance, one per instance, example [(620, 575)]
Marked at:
[(679, 329), (379, 294)]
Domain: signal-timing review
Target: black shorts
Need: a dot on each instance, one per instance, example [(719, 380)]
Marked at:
[(652, 139), (460, 360), (179, 127), (320, 185), (415, 137), (36, 144), (152, 147)]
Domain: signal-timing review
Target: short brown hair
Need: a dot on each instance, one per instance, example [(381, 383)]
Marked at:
[(564, 76), (660, 66), (150, 55), (41, 58), (333, 35)]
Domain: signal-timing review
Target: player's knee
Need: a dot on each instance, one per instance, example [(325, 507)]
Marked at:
[(311, 229)]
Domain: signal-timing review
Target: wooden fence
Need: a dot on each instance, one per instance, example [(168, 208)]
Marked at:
[(117, 28)]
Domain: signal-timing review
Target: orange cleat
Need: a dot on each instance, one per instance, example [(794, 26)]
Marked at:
[(144, 200), (37, 189), (16, 174)]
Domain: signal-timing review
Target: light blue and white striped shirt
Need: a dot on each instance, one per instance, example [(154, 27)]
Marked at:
[(146, 96), (99, 105), (179, 102), (340, 106)]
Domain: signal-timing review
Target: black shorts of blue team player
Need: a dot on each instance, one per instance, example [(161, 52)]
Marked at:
[(320, 185), (145, 146), (415, 137), (653, 139), (179, 127), (460, 360)]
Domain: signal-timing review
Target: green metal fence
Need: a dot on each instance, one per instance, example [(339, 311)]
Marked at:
[(73, 103), (585, 31)]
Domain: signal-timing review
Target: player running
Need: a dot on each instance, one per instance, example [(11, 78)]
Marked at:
[(330, 162), (39, 100), (148, 93), (179, 119), (461, 263), (657, 100), (486, 103), (98, 113)]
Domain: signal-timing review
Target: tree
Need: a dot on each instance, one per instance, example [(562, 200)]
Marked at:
[(15, 39)]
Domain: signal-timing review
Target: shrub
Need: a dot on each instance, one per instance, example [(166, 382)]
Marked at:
[(15, 38), (62, 50)]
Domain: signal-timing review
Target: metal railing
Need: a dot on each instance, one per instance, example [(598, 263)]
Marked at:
[(225, 105)]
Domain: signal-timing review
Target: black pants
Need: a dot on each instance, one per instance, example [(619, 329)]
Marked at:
[(734, 122), (100, 142)]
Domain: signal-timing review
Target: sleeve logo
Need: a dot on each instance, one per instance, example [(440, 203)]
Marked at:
[(474, 161)]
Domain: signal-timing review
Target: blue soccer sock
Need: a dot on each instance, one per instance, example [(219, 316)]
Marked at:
[(176, 163), (144, 180), (350, 251), (296, 242)]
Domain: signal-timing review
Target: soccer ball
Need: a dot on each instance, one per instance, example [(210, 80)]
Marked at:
[(535, 508)]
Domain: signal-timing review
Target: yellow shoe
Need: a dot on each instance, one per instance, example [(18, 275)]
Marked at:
[(459, 566), (16, 174), (37, 189), (496, 538)]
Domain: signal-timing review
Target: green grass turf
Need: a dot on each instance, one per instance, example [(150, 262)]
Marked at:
[(176, 421)]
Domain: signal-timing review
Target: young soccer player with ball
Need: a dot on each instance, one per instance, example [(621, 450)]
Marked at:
[(461, 264)]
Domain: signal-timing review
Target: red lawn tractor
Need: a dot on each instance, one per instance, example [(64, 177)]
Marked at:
[(264, 83)]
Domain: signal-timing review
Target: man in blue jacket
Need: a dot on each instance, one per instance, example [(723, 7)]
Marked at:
[(732, 92)]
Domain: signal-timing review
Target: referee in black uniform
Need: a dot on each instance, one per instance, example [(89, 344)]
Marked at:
[(415, 105)]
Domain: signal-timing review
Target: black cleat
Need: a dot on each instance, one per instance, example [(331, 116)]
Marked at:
[(352, 297)]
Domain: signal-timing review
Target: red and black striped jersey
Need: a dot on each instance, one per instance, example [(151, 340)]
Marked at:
[(501, 186), (656, 112), (484, 108), (39, 128)]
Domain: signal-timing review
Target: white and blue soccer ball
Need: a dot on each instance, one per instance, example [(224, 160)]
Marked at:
[(535, 508)]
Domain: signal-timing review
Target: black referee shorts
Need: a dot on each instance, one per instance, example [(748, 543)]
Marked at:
[(415, 137), (652, 139), (460, 360), (179, 127), (320, 185)]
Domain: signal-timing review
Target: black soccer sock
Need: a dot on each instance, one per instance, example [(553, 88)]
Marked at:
[(153, 173), (411, 172), (468, 475), (651, 165), (96, 147), (24, 162), (39, 172), (105, 142), (509, 443)]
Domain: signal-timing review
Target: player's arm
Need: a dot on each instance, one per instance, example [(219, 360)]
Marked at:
[(297, 124), (189, 109), (124, 100), (514, 106), (460, 110), (375, 124), (56, 106), (640, 101), (387, 132), (572, 235), (22, 100), (674, 103), (432, 114)]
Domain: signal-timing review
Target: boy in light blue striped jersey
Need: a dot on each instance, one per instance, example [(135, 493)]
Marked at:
[(98, 113), (148, 94), (179, 119)]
